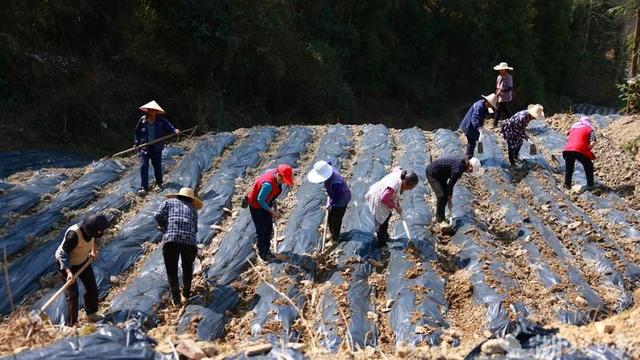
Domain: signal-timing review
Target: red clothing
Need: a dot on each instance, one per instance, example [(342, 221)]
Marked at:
[(269, 176), (387, 198), (578, 141)]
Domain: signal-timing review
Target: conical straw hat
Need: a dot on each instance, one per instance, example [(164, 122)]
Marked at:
[(153, 105)]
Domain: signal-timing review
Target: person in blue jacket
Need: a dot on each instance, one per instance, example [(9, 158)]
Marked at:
[(150, 127), (474, 120)]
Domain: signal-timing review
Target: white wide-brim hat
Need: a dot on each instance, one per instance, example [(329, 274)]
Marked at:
[(493, 101), (502, 66), (536, 110), (187, 192), (320, 173), (151, 105), (478, 170)]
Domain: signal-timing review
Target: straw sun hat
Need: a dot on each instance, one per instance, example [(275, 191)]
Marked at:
[(536, 110), (502, 66), (151, 105), (493, 101), (321, 172), (187, 192)]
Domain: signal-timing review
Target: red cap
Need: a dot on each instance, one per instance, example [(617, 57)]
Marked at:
[(287, 173)]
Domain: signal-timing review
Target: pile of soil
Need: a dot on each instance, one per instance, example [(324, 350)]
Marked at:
[(620, 331), (616, 167), (28, 331)]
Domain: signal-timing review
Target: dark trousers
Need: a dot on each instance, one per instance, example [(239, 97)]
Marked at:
[(335, 221), (513, 151), (471, 145), (156, 161), (172, 251), (570, 158), (263, 221), (502, 112), (90, 296), (383, 232), (441, 197)]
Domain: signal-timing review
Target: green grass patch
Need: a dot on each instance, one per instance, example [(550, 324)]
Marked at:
[(632, 146)]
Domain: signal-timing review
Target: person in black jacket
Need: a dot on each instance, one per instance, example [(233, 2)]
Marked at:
[(442, 175), (78, 246)]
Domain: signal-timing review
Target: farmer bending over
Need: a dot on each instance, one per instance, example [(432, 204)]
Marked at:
[(474, 120), (442, 175), (385, 195), (78, 246), (261, 199), (580, 142), (514, 129)]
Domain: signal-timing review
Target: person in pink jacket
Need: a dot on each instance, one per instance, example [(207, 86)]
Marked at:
[(504, 91), (580, 141)]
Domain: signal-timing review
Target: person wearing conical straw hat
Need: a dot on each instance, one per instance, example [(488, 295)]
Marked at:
[(514, 129), (504, 88), (177, 218), (260, 200), (151, 126), (474, 120), (338, 194)]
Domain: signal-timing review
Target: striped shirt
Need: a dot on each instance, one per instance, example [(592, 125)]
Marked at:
[(179, 220)]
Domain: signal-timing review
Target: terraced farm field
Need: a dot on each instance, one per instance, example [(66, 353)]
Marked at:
[(533, 270)]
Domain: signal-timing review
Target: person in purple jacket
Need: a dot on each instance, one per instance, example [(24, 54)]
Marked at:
[(338, 193)]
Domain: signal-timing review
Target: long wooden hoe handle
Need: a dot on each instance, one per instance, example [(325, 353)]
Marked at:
[(65, 286), (137, 147)]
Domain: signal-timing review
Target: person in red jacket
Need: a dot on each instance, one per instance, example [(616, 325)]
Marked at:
[(260, 200), (580, 141)]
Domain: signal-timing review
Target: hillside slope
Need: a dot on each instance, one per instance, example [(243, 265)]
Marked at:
[(527, 258)]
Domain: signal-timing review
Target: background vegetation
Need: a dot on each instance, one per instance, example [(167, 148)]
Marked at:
[(72, 73)]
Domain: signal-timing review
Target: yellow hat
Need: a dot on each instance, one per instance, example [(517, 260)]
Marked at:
[(187, 192)]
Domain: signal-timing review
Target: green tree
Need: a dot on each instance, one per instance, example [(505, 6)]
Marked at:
[(631, 8)]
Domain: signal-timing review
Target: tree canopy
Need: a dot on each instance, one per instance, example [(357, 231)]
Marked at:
[(85, 66)]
